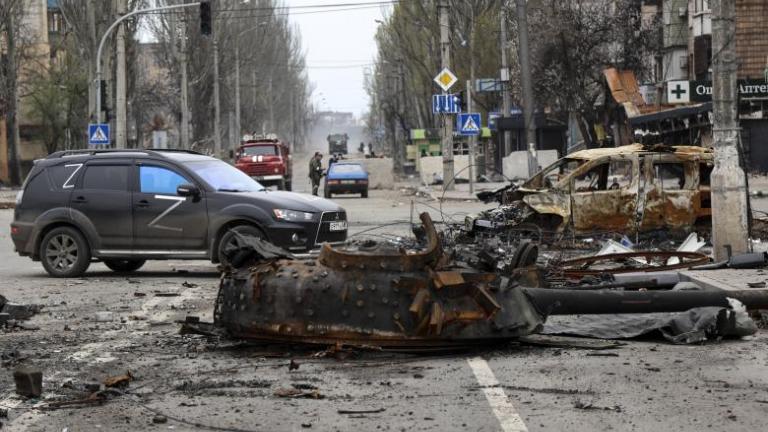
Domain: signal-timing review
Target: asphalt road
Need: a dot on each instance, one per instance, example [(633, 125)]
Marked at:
[(202, 384)]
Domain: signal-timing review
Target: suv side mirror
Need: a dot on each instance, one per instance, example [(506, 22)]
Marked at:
[(187, 189)]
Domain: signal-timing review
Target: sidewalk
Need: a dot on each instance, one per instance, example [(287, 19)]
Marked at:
[(729, 279), (8, 198), (460, 193)]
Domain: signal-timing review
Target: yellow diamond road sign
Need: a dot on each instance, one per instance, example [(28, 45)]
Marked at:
[(445, 79)]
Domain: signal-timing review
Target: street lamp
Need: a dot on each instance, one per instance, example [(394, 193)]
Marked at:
[(104, 39)]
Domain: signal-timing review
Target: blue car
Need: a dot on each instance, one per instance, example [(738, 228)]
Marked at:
[(346, 177)]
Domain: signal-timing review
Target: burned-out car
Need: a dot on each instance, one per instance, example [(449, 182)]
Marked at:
[(632, 188)]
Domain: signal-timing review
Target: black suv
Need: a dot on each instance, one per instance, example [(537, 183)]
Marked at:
[(126, 206)]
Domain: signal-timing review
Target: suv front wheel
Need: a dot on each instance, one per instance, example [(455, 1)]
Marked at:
[(65, 253), (232, 240)]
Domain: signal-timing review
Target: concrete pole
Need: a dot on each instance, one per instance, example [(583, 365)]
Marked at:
[(729, 189), (255, 93), (470, 142), (505, 98), (525, 68), (470, 83), (216, 101), (271, 107), (93, 89), (184, 89), (399, 130), (120, 82), (231, 133), (238, 130), (447, 142), (12, 116)]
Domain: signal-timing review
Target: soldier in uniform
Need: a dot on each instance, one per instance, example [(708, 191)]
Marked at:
[(316, 171)]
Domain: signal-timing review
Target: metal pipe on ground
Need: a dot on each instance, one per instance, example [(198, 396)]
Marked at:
[(568, 302)]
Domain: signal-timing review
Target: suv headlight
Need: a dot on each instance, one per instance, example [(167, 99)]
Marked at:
[(293, 215)]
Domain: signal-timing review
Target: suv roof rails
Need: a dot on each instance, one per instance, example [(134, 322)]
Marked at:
[(64, 153)]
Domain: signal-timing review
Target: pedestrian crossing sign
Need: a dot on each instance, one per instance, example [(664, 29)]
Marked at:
[(469, 123), (98, 134)]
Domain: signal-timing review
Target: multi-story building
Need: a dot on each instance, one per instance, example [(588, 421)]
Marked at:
[(687, 55), (41, 23)]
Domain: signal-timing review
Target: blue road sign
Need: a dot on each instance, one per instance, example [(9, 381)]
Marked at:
[(446, 104), (469, 124), (98, 134)]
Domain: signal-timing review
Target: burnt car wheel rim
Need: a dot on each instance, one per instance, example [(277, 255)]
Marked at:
[(61, 252)]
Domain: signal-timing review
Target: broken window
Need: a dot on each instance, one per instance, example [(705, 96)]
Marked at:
[(593, 180), (613, 175), (705, 171), (619, 174), (555, 173), (671, 175)]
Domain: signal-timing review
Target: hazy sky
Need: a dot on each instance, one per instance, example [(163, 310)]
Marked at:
[(338, 46)]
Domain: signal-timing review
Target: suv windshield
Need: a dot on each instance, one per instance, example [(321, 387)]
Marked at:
[(265, 150), (224, 177)]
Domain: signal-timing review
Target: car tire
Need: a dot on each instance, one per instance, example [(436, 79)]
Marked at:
[(124, 265), (230, 240), (281, 184), (65, 253), (364, 193), (288, 186), (326, 193)]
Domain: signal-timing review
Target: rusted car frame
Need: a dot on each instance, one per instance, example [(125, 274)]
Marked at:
[(628, 189)]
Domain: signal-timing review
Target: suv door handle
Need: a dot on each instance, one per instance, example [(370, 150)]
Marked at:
[(80, 200), (143, 203)]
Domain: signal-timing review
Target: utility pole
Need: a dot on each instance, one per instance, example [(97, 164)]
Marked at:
[(470, 83), (184, 88), (730, 229), (12, 119), (525, 69), (216, 101), (504, 75), (445, 59), (399, 130), (120, 84), (271, 107), (238, 131), (90, 12)]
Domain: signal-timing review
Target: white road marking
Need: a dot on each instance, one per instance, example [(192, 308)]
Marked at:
[(503, 409)]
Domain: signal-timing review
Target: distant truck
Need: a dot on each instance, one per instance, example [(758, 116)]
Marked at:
[(337, 143), (267, 161)]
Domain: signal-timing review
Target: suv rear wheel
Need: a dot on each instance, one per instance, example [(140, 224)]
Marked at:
[(232, 240), (124, 265), (65, 253)]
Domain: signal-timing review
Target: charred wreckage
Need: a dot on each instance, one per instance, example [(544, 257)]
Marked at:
[(444, 290)]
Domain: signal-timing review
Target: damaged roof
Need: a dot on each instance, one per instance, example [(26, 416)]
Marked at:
[(638, 148)]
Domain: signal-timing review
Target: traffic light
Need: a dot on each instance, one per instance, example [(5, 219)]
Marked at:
[(462, 100), (206, 23)]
